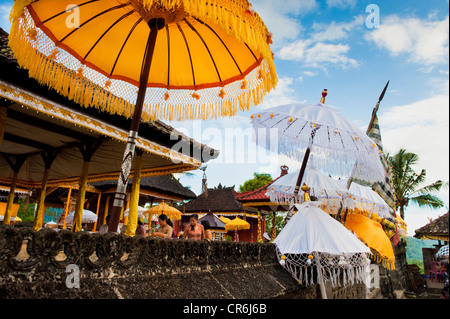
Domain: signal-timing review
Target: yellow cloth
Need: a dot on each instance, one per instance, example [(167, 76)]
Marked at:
[(373, 235)]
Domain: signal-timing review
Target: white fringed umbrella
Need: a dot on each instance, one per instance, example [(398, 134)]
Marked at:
[(327, 190), (87, 217), (337, 143), (141, 211), (313, 244)]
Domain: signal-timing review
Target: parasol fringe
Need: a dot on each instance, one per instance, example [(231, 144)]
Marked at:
[(232, 17)]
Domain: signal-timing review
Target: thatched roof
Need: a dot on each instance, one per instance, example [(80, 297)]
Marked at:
[(437, 229)]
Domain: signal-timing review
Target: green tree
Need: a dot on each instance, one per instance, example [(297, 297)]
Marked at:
[(406, 183), (258, 181), (26, 210)]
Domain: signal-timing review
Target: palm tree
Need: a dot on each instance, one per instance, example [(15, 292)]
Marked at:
[(406, 182)]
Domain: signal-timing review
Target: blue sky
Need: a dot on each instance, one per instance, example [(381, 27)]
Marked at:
[(328, 44)]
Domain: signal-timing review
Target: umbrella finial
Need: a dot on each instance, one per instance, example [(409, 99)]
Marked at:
[(324, 94), (306, 188)]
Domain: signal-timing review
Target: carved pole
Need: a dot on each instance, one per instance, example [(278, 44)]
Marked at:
[(119, 198), (16, 168), (134, 197), (48, 158)]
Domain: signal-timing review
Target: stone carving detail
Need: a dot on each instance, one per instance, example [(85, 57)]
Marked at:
[(34, 264)]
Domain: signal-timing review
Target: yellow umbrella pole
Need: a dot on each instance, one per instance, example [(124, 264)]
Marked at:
[(15, 167), (134, 198), (155, 24), (67, 207), (98, 209)]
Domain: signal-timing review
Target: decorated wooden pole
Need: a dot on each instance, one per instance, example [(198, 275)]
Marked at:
[(66, 211), (305, 161), (87, 151), (134, 198), (119, 198), (48, 158), (15, 166), (97, 210)]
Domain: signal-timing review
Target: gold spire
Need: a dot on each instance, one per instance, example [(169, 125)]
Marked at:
[(305, 188), (324, 94)]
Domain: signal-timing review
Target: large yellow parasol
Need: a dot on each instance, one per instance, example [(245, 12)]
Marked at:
[(210, 57), (224, 219), (164, 59), (165, 209), (237, 224), (372, 234)]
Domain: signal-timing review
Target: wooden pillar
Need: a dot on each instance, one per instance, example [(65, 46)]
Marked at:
[(15, 166), (48, 158), (258, 234), (76, 225), (105, 214), (96, 212), (87, 151), (66, 211), (3, 116), (274, 222), (134, 197)]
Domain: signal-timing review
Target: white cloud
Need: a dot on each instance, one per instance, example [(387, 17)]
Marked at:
[(341, 4), (282, 95), (423, 41), (318, 54), (4, 16), (335, 31), (310, 73), (281, 17), (422, 128)]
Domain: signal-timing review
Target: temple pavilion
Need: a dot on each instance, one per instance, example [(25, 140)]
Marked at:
[(47, 141)]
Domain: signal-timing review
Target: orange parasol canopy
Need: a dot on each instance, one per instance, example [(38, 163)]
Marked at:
[(210, 57), (165, 209), (225, 219), (372, 234)]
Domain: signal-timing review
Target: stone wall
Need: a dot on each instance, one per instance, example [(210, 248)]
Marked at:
[(44, 264)]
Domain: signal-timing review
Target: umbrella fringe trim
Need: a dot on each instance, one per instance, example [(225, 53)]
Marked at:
[(81, 90)]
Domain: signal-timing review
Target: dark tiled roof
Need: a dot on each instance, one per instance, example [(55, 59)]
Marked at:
[(214, 221), (438, 227), (216, 200), (164, 184)]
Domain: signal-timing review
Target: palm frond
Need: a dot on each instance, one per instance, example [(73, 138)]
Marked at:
[(428, 201), (434, 187)]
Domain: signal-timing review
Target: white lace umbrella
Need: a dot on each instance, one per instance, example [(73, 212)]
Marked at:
[(87, 217), (313, 244), (337, 143), (364, 198), (442, 252), (141, 211), (326, 189)]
